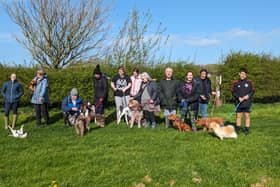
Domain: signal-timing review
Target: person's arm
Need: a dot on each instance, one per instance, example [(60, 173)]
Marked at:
[(20, 90), (64, 105), (128, 85), (252, 91), (44, 89), (3, 90)]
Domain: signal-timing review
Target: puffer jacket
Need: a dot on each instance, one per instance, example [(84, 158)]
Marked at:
[(41, 91)]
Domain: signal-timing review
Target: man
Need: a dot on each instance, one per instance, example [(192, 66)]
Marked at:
[(206, 92), (121, 84), (168, 90), (71, 106), (243, 90), (11, 91), (100, 84)]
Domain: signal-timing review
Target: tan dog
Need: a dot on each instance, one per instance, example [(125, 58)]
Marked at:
[(178, 124), (223, 131), (205, 122), (136, 112), (81, 125)]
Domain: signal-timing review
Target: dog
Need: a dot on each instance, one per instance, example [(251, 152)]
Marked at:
[(136, 112), (204, 122), (81, 125), (89, 112), (223, 131), (32, 85), (18, 133), (178, 124), (126, 112)]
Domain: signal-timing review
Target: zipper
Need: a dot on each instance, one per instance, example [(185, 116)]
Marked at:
[(12, 91)]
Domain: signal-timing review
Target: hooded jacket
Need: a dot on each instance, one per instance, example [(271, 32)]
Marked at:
[(12, 91)]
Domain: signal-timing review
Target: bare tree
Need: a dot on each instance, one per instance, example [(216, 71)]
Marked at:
[(136, 42), (59, 33)]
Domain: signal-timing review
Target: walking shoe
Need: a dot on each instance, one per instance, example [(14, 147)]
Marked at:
[(247, 130), (154, 125), (194, 129), (147, 124), (238, 129)]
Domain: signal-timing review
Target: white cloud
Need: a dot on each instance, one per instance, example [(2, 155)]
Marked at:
[(6, 37), (202, 41)]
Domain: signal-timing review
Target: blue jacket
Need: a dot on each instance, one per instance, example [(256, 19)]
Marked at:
[(41, 91), (12, 91), (67, 104)]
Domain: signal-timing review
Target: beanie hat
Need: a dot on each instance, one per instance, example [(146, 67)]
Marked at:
[(97, 70), (74, 92)]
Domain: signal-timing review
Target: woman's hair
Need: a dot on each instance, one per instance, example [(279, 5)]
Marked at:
[(135, 70), (146, 75), (189, 72), (121, 68)]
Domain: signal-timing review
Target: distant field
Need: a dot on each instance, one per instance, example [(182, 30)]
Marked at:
[(119, 156)]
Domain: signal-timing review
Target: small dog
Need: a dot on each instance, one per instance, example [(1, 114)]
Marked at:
[(126, 112), (32, 85), (81, 125), (89, 112), (136, 112), (204, 122), (223, 131), (178, 124), (18, 133)]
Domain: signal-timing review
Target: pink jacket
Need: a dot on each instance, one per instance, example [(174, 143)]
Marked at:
[(135, 85)]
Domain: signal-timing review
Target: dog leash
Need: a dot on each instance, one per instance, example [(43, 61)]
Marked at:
[(230, 114)]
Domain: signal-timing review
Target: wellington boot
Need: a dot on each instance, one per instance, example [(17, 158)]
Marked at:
[(14, 121), (6, 121)]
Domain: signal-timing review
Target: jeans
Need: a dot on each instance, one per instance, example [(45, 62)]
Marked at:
[(203, 109), (42, 109)]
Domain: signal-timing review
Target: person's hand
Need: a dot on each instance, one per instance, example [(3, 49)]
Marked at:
[(240, 99), (203, 97), (246, 97), (213, 93), (151, 101), (74, 109), (40, 100), (101, 100)]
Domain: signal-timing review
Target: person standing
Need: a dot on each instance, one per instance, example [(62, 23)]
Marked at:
[(243, 90), (206, 92), (40, 97), (148, 97), (190, 91), (121, 84), (11, 90), (169, 93), (100, 84), (135, 82)]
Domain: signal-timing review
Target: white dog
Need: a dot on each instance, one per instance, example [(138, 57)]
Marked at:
[(223, 131), (18, 133), (124, 112)]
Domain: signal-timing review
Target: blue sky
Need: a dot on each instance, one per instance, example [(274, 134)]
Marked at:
[(202, 31)]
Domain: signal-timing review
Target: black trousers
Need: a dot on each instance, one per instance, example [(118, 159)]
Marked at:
[(149, 116), (42, 109)]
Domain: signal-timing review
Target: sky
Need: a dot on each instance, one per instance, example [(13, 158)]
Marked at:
[(200, 31)]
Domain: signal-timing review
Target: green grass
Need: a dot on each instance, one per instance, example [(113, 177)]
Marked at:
[(119, 156)]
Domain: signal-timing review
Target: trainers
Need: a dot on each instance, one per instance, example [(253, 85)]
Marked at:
[(154, 125), (194, 129)]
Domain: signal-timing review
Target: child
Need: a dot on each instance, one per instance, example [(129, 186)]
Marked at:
[(243, 90)]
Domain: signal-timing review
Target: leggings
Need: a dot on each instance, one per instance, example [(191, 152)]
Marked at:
[(9, 106), (149, 116)]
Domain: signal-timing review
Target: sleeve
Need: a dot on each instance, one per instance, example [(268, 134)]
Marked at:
[(155, 91), (3, 90), (106, 87), (64, 105), (233, 89), (20, 91), (252, 91)]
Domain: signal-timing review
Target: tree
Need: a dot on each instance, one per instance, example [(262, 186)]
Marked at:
[(136, 43), (59, 33)]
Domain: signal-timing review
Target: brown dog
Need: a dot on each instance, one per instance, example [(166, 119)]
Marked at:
[(81, 125), (136, 112), (178, 124), (205, 122), (89, 112), (32, 85)]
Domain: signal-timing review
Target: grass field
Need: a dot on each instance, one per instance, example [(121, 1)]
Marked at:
[(120, 156)]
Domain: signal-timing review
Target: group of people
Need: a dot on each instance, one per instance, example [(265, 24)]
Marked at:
[(192, 96)]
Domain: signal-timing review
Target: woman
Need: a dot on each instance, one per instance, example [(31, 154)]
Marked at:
[(121, 84), (40, 97), (11, 91), (148, 96), (190, 91), (135, 82)]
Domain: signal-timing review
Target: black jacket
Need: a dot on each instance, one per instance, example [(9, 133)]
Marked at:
[(169, 93), (193, 97), (206, 91), (152, 89), (241, 88), (101, 89)]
